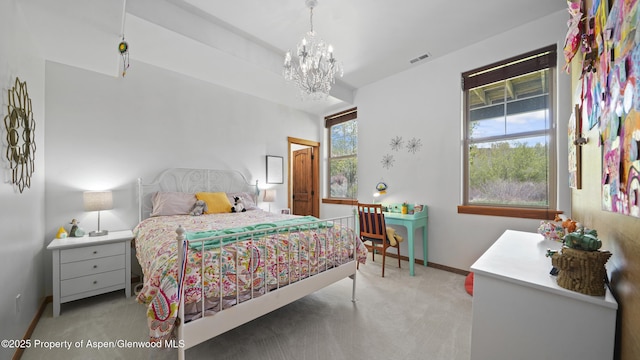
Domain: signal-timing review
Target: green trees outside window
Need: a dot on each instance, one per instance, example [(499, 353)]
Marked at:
[(509, 132), (343, 160)]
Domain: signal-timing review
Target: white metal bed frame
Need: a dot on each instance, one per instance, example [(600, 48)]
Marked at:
[(192, 181), (205, 327)]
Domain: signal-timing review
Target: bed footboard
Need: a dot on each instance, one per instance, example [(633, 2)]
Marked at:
[(272, 268)]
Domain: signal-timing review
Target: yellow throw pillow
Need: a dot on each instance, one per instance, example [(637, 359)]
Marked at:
[(217, 202)]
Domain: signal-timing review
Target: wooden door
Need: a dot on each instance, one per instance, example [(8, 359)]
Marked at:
[(302, 182)]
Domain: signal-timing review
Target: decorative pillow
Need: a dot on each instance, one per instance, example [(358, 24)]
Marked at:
[(247, 199), (217, 202), (172, 203)]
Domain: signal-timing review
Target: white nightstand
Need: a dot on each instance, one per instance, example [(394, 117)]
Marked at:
[(87, 266)]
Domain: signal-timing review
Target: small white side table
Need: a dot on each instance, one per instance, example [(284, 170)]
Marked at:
[(87, 266)]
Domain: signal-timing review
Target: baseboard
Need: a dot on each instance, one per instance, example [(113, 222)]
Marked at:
[(446, 268), (432, 264), (32, 326)]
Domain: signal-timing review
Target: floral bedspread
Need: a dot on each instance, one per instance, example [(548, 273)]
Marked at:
[(238, 270)]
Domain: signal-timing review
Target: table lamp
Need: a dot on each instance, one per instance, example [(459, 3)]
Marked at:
[(269, 196), (381, 189), (98, 201)]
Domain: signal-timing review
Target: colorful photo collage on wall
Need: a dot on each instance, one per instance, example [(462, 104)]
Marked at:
[(611, 98)]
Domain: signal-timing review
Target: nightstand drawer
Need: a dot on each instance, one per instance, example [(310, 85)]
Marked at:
[(91, 252), (90, 267), (92, 282)]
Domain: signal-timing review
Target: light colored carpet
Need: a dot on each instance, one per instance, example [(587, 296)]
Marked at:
[(427, 316)]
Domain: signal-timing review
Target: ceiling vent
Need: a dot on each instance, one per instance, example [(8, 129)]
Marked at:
[(420, 58)]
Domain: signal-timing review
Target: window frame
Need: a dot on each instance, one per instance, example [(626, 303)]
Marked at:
[(540, 59), (330, 121)]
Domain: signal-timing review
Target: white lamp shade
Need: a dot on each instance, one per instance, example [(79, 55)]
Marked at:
[(269, 195), (98, 200)]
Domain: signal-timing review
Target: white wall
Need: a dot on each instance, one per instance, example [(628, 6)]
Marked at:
[(105, 132), (425, 103), (21, 214)]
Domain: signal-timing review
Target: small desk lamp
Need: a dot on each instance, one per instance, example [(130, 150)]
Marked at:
[(381, 189), (98, 201), (269, 197)]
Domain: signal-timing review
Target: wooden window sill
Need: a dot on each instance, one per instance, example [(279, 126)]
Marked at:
[(541, 214), (340, 201)]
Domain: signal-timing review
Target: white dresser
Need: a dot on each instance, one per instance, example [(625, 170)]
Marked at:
[(87, 266), (520, 312)]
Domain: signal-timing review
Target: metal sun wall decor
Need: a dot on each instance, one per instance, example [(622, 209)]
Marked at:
[(397, 143), (414, 145), (21, 145), (610, 96), (387, 161)]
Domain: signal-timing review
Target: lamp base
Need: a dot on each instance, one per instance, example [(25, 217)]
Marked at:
[(99, 233)]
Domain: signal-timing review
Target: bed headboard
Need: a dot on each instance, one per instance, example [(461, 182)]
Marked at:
[(192, 181)]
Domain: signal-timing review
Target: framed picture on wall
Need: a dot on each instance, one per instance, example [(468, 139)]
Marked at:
[(275, 169), (285, 211)]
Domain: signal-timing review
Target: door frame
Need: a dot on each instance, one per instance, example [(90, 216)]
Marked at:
[(315, 187)]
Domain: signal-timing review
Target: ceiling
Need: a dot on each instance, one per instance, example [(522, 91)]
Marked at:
[(240, 44)]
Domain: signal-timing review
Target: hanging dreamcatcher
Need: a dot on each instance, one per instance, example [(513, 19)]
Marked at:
[(123, 48)]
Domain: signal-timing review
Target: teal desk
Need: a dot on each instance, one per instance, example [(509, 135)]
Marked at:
[(411, 222)]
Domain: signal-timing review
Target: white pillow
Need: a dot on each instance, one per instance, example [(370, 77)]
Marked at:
[(172, 203)]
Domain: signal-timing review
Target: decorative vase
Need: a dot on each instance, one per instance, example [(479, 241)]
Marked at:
[(405, 209)]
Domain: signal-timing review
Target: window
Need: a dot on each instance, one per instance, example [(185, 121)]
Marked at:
[(509, 137), (343, 155)]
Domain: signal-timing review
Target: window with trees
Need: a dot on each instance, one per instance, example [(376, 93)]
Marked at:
[(509, 137), (342, 129)]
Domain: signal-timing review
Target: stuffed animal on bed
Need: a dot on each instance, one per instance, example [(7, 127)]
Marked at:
[(238, 205), (199, 208)]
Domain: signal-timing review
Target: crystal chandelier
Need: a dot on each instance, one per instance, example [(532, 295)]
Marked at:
[(315, 68)]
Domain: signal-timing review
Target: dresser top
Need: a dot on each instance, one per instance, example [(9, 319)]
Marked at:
[(520, 257), (75, 242)]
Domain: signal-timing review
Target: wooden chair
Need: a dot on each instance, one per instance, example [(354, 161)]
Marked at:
[(373, 231)]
